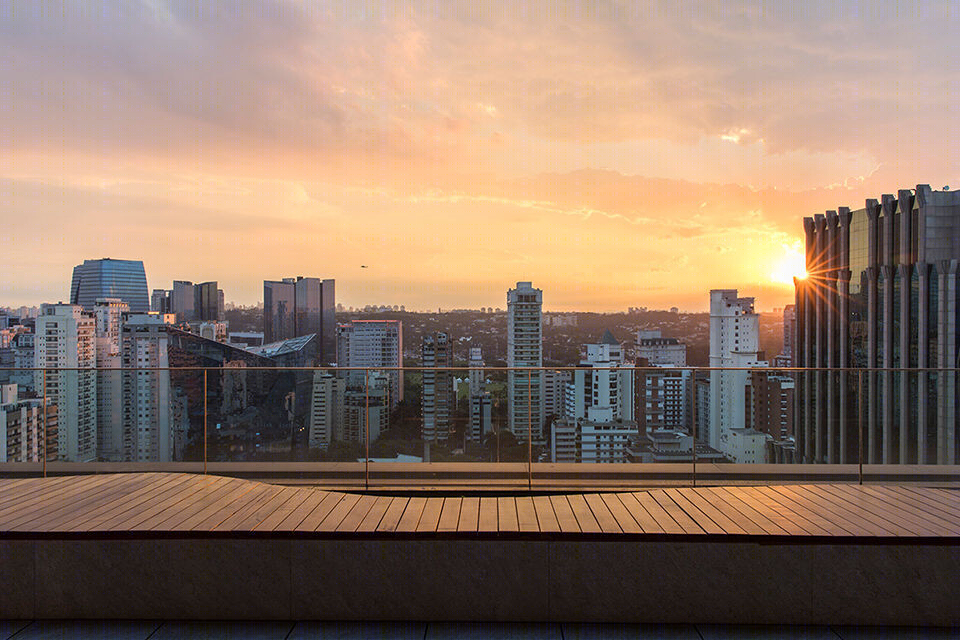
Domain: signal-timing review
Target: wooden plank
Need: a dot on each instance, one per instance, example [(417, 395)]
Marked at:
[(488, 520), (178, 512), (450, 514), (825, 506), (785, 524), (565, 517), (836, 523), (925, 501), (225, 508), (602, 514), (156, 491), (293, 520), (65, 493), (128, 519), (430, 517), (232, 522), (186, 519), (469, 515), (338, 513), (701, 518), (322, 510), (769, 527), (507, 514), (816, 519), (157, 486), (411, 515), (854, 510), (769, 503), (711, 511), (647, 522), (663, 519), (373, 517), (581, 510), (948, 499), (546, 518), (527, 514), (271, 522), (72, 505), (170, 504), (950, 526), (624, 520), (687, 523), (391, 519), (877, 507), (741, 516), (357, 514), (28, 488)]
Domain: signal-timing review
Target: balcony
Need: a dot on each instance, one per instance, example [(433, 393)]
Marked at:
[(241, 523)]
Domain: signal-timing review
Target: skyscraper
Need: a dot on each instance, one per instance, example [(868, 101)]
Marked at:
[(481, 403), (182, 300), (882, 291), (147, 431), (734, 343), (437, 397), (208, 302), (108, 317), (109, 278), (67, 349), (525, 349), (299, 306), (373, 343)]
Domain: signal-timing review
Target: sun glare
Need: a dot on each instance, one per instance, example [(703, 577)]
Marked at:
[(792, 264)]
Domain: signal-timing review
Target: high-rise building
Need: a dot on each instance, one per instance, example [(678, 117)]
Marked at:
[(182, 300), (299, 306), (365, 396), (66, 348), (208, 302), (770, 399), (147, 432), (22, 425), (437, 396), (326, 409), (663, 398), (657, 350), (734, 345), (374, 344), (161, 300), (525, 350), (109, 278), (882, 292), (481, 402), (108, 314)]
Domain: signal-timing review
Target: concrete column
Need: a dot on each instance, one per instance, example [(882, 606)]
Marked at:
[(809, 334), (820, 354), (923, 359), (886, 406), (947, 380), (904, 273), (843, 285), (870, 392), (905, 207), (832, 260)]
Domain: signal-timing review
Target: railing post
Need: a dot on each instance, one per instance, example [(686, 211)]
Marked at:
[(693, 425), (366, 421), (860, 426), (529, 431), (204, 421), (44, 376)]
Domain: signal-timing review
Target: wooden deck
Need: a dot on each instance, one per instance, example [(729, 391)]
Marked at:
[(176, 504)]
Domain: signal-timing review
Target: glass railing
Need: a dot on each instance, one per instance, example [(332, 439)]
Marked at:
[(493, 426)]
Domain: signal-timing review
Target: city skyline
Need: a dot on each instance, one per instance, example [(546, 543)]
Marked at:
[(611, 153)]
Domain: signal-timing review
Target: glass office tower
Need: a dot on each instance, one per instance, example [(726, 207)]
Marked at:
[(109, 278)]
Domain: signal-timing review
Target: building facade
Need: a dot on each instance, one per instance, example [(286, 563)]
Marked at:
[(294, 307), (882, 291), (525, 409), (437, 395), (66, 349), (374, 344), (657, 350), (109, 278), (109, 315), (23, 425), (149, 434)]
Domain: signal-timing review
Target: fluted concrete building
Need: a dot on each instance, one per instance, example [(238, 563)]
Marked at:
[(882, 291)]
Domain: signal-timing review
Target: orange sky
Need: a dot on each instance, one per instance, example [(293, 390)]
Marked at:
[(616, 154)]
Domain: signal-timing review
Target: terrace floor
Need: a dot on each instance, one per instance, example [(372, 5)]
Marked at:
[(184, 546)]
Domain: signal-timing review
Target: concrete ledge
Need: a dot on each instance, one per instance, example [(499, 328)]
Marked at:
[(491, 580)]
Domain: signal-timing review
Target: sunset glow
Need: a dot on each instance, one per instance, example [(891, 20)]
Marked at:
[(617, 154)]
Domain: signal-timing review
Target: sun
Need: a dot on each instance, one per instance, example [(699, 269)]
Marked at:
[(790, 264)]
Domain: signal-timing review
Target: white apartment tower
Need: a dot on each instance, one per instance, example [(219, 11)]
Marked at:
[(374, 344), (326, 409), (734, 342), (66, 348), (525, 349), (147, 432), (481, 403), (108, 315)]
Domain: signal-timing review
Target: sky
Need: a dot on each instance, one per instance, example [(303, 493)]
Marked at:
[(616, 154)]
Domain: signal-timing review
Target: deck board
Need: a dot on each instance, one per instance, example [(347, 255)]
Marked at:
[(160, 502)]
